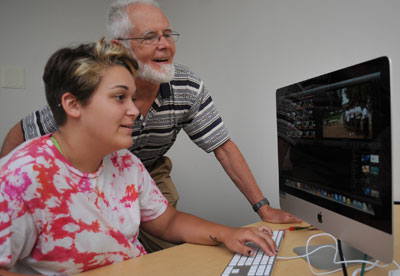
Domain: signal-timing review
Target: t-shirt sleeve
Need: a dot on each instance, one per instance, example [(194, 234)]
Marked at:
[(151, 200), (204, 124), (38, 123), (17, 230)]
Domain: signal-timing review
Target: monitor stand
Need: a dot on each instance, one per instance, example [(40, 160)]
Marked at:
[(323, 258)]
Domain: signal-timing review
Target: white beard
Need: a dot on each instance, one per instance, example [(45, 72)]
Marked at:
[(147, 73)]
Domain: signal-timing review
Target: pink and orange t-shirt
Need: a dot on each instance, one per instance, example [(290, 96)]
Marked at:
[(56, 219)]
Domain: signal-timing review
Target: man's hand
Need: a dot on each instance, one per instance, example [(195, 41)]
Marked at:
[(273, 215)]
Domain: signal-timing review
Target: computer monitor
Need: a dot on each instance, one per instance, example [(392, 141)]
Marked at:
[(334, 151)]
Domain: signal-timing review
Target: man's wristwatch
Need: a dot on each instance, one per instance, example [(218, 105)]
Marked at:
[(259, 204)]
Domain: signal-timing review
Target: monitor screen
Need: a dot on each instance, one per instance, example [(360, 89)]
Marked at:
[(334, 151)]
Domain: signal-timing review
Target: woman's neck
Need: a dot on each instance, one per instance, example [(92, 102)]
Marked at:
[(79, 150)]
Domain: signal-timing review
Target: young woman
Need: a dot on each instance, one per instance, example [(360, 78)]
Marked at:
[(74, 200)]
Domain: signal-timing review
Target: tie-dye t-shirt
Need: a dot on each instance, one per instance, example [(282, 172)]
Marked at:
[(54, 218)]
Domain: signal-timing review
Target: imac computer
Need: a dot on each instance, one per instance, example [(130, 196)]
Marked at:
[(334, 151)]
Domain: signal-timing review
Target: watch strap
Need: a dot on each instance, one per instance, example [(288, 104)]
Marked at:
[(259, 204)]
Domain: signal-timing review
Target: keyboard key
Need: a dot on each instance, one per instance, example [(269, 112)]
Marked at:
[(252, 270), (227, 271), (271, 259), (249, 261), (242, 261), (235, 259), (258, 258), (260, 270), (265, 259), (268, 270)]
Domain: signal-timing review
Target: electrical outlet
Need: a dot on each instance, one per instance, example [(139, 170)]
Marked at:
[(13, 77)]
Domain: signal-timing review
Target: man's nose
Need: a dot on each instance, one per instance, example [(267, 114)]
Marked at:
[(163, 42)]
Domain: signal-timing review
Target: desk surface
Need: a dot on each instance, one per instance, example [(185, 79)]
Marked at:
[(198, 260)]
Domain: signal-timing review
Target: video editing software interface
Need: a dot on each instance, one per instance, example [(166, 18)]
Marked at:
[(334, 142)]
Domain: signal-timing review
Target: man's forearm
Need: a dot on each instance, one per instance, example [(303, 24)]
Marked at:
[(13, 139), (236, 167)]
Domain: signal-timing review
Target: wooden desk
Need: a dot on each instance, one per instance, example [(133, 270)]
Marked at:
[(198, 260)]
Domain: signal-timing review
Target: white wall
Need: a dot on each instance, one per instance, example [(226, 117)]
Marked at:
[(30, 32), (244, 51)]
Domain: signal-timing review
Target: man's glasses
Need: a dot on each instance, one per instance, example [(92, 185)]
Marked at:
[(154, 38)]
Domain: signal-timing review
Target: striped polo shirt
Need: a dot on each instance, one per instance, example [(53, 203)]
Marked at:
[(184, 103)]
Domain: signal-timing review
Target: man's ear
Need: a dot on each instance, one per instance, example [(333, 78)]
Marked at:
[(116, 41), (71, 105)]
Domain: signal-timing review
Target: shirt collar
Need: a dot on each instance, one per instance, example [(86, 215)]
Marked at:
[(165, 90)]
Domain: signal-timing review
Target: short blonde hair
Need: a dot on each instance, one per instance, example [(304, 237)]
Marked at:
[(79, 70)]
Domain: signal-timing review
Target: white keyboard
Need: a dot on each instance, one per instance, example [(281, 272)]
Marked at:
[(259, 264)]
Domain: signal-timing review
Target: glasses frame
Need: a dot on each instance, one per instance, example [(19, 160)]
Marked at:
[(170, 36)]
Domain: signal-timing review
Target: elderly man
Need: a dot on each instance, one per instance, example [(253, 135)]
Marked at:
[(170, 98)]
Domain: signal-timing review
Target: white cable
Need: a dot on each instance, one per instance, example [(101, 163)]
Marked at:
[(372, 264), (308, 255), (305, 255), (355, 272), (396, 264)]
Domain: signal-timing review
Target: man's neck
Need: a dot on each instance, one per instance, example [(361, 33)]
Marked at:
[(146, 90), (146, 93)]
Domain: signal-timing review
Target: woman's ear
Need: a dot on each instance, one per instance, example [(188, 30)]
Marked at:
[(71, 105)]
